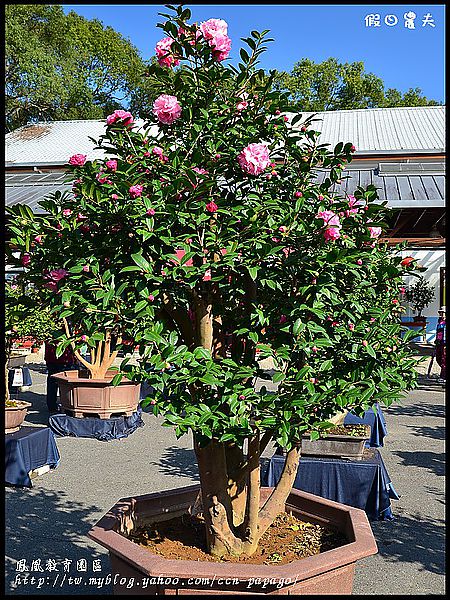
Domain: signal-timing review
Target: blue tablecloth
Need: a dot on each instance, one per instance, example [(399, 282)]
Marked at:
[(94, 427), (26, 450), (377, 424), (361, 483)]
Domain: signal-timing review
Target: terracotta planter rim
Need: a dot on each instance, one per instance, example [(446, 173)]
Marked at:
[(80, 380), (154, 565), (21, 404)]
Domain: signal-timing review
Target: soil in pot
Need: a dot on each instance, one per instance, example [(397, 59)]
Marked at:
[(352, 430), (286, 540)]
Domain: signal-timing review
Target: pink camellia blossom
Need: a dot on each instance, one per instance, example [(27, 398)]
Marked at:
[(254, 159), (351, 326), (39, 239), (159, 152), (359, 261), (353, 204), (164, 53), (136, 191), (150, 212), (77, 160), (124, 116), (151, 297), (365, 343), (395, 301), (111, 164), (402, 290), (221, 46), (285, 118), (241, 397), (213, 27), (314, 348), (375, 232), (86, 268), (212, 207), (84, 338), (298, 194), (66, 212), (329, 218), (282, 229), (166, 109), (332, 233), (313, 380), (114, 197), (200, 171), (372, 319), (102, 178), (283, 319), (25, 260), (57, 274), (80, 217), (353, 149), (243, 104)]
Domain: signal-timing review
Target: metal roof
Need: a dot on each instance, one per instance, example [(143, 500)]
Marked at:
[(30, 188), (52, 143), (404, 130), (400, 190), (401, 130)]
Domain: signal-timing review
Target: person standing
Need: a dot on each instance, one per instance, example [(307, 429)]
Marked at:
[(65, 362), (440, 342)]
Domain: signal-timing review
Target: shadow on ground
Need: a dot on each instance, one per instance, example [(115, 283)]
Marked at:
[(432, 461), (46, 525), (413, 539), (418, 410), (178, 462), (437, 433)]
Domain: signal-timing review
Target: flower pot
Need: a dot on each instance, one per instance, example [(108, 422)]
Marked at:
[(342, 446), (330, 572), (15, 415), (80, 396)]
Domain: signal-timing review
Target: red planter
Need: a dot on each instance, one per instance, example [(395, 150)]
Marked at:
[(328, 573), (81, 396)]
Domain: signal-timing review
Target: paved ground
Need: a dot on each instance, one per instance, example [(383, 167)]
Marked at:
[(51, 520)]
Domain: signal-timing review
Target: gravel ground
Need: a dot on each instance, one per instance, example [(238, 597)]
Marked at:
[(51, 520)]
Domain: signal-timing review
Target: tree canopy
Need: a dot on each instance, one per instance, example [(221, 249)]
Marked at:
[(61, 66), (332, 85)]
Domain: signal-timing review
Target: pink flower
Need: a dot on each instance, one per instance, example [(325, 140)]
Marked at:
[(365, 342), (57, 274), (84, 338), (402, 290), (254, 159), (102, 178), (395, 301), (283, 319), (282, 229), (77, 160), (114, 197), (136, 191), (25, 260), (329, 218), (86, 268), (80, 217), (375, 232), (111, 164), (332, 233), (221, 46), (213, 27), (150, 212), (39, 239), (212, 207), (351, 326), (66, 212), (151, 297), (313, 380), (51, 285), (372, 319), (166, 109), (125, 117), (200, 170), (298, 194), (164, 53), (285, 118), (241, 105), (159, 153), (353, 149), (314, 348), (241, 397), (359, 261)]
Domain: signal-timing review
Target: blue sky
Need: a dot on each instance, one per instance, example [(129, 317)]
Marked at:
[(402, 57)]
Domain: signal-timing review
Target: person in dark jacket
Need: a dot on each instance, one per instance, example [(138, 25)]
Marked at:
[(440, 343), (65, 362)]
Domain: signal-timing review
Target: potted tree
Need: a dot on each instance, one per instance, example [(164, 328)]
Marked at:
[(420, 295), (220, 243), (15, 325)]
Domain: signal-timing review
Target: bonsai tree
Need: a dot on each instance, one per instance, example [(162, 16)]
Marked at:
[(23, 318), (420, 295), (206, 237)]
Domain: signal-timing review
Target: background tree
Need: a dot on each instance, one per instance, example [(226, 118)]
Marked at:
[(331, 85), (61, 66)]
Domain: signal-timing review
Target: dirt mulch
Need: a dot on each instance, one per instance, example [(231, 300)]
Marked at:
[(286, 540)]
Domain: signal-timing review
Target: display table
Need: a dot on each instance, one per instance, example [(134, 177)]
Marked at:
[(93, 427), (361, 483), (27, 450), (377, 423)]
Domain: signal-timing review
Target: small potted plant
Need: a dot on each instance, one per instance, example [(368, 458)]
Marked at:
[(420, 295)]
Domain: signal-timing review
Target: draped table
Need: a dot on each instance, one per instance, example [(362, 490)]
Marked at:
[(361, 483), (27, 450)]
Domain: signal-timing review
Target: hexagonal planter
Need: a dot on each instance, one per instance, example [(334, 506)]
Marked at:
[(81, 396), (330, 572)]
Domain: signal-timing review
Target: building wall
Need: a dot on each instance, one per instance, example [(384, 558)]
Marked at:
[(433, 260)]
